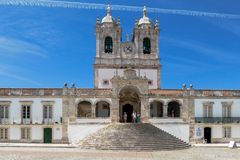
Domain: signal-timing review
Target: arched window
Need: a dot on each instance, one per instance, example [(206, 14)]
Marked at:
[(102, 109), (146, 46), (108, 45), (156, 109), (84, 109), (173, 109)]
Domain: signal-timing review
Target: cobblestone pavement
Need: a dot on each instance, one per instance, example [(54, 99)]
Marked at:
[(13, 153)]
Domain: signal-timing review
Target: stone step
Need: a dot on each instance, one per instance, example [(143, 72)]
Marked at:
[(132, 137)]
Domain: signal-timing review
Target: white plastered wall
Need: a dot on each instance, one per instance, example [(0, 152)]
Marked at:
[(37, 133), (107, 74), (180, 131), (217, 131), (80, 131), (217, 107), (37, 117), (36, 109)]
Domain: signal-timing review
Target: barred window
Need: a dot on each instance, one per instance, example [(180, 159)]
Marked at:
[(227, 132), (4, 112), (25, 133), (47, 111), (3, 133), (26, 112)]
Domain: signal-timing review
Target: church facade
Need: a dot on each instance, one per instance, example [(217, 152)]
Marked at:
[(127, 79)]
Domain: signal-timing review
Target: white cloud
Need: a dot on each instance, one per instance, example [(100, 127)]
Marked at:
[(227, 25), (204, 49), (18, 48), (94, 6), (7, 71)]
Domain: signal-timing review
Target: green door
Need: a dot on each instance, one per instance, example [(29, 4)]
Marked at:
[(47, 135)]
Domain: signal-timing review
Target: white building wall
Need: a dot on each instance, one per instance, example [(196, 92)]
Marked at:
[(36, 109), (57, 133), (37, 133), (217, 132), (36, 112), (180, 131), (236, 131), (79, 132), (14, 133), (217, 107), (14, 110), (36, 115), (57, 110), (199, 132), (107, 74), (236, 108)]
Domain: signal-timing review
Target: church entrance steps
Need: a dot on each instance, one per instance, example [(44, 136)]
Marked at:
[(132, 137)]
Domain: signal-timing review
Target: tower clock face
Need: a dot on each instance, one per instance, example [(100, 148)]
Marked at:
[(128, 49)]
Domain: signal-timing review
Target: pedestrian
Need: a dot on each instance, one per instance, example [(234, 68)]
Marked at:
[(133, 117), (125, 117), (138, 119)]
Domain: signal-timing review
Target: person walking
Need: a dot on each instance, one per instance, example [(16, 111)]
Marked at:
[(134, 117), (125, 117), (138, 119)]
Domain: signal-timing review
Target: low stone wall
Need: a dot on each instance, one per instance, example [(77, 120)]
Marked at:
[(77, 132), (179, 130)]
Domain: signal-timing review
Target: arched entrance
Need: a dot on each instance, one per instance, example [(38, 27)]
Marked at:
[(84, 109), (129, 102), (173, 109), (156, 109), (102, 109)]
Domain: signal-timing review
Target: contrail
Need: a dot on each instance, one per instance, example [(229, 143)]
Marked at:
[(96, 6)]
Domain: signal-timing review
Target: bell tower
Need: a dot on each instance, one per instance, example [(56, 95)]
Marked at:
[(140, 52)]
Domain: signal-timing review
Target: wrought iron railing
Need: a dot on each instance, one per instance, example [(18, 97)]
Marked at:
[(217, 119), (28, 121)]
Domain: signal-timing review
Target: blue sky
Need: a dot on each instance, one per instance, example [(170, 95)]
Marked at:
[(44, 47)]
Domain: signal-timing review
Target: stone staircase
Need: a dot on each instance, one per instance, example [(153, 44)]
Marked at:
[(132, 137)]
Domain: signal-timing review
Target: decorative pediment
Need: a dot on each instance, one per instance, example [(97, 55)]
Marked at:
[(130, 74), (27, 103), (207, 103), (5, 103), (227, 103), (49, 103)]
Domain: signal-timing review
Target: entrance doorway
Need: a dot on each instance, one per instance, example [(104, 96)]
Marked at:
[(47, 135), (128, 109), (207, 134), (129, 102)]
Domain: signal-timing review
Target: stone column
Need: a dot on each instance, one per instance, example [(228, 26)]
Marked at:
[(114, 110), (65, 119), (93, 110), (144, 109), (72, 109), (191, 118), (165, 111)]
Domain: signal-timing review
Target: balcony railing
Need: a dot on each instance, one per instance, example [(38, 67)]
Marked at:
[(29, 121), (4, 121), (217, 119)]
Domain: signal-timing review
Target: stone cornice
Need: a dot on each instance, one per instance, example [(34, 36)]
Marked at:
[(5, 103)]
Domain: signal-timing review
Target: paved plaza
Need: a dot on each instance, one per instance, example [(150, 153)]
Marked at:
[(33, 153)]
